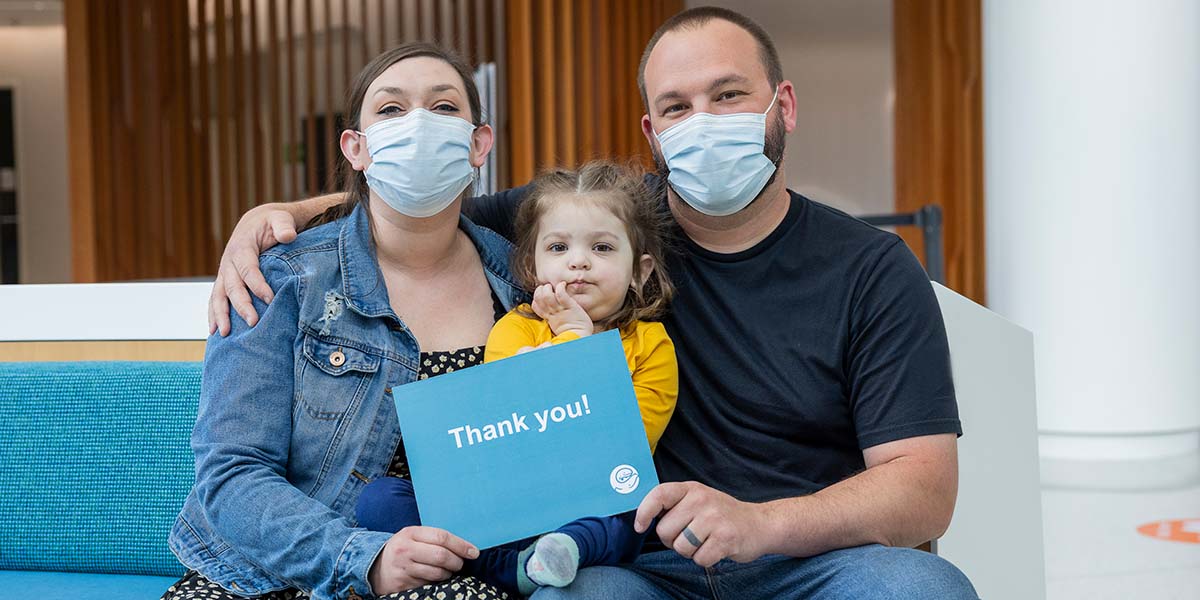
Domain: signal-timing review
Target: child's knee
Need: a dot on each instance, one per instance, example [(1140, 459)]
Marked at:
[(387, 504)]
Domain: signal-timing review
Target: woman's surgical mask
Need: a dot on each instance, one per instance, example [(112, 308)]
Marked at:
[(420, 162), (716, 161)]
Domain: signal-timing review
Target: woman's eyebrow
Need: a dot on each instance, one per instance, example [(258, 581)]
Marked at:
[(395, 91), (403, 93)]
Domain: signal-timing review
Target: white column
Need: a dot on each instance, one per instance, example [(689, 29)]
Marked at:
[(1092, 166)]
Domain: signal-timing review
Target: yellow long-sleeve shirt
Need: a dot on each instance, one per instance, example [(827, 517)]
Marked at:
[(648, 350)]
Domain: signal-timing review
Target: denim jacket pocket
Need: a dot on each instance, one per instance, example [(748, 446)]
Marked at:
[(332, 377)]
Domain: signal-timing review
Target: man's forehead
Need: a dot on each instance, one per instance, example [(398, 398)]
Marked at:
[(691, 57)]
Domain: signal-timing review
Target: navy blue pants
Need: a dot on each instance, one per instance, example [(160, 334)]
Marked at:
[(388, 504)]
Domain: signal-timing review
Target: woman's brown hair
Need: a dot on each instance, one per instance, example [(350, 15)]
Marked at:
[(354, 183), (623, 191)]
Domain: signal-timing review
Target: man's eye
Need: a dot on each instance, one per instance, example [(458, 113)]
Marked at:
[(557, 247), (728, 95), (673, 108)]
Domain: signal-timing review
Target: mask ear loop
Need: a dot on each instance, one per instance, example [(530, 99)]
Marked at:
[(773, 99)]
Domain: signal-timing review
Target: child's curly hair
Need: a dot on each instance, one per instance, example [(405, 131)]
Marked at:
[(623, 191)]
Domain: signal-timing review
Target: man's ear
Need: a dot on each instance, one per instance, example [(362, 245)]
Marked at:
[(354, 148), (648, 131), (787, 104), (481, 143)]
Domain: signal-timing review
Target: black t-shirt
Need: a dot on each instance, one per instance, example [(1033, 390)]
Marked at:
[(795, 355)]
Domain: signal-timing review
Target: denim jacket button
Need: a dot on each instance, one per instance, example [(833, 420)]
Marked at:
[(337, 358)]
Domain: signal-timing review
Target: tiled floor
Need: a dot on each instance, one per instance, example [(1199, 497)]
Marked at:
[(1091, 514)]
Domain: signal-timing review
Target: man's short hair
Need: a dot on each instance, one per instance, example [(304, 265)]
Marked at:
[(695, 18)]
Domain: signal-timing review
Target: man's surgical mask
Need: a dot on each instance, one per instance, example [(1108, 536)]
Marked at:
[(420, 162), (716, 162)]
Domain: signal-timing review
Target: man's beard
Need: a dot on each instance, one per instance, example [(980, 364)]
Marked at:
[(773, 146)]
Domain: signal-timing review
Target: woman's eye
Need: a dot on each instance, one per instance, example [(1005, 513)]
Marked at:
[(443, 107), (557, 247), (391, 109)]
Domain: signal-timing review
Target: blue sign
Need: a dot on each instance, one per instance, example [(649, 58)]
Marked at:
[(524, 445)]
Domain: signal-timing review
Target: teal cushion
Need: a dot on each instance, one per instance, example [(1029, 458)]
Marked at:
[(96, 463), (81, 586)]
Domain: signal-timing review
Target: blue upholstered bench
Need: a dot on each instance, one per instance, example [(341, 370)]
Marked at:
[(94, 464)]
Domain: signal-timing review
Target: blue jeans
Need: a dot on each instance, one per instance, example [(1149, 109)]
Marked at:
[(863, 573)]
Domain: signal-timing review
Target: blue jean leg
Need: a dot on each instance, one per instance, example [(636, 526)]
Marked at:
[(865, 573), (870, 572), (606, 583), (653, 576)]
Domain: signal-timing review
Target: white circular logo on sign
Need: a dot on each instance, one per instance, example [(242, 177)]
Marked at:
[(624, 479)]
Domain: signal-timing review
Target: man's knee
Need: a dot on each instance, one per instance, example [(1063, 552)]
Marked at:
[(893, 573)]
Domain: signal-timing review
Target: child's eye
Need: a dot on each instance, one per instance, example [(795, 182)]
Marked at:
[(557, 247), (603, 247)]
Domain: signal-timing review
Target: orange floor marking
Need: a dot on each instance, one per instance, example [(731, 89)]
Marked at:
[(1175, 530)]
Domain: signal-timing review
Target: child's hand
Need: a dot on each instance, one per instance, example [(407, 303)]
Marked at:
[(524, 349), (560, 310)]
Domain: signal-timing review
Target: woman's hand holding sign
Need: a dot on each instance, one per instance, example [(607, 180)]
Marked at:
[(703, 524), (417, 556)]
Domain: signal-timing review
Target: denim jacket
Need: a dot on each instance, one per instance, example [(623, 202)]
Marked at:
[(296, 416)]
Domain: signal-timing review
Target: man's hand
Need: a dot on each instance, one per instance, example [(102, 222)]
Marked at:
[(417, 556), (560, 310), (703, 524), (260, 228)]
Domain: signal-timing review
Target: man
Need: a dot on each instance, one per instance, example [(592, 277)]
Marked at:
[(815, 438)]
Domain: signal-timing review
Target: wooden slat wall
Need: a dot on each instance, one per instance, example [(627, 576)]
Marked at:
[(939, 129), (168, 350), (571, 82), (185, 113)]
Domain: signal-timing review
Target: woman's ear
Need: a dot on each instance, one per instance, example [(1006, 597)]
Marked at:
[(481, 144), (354, 148)]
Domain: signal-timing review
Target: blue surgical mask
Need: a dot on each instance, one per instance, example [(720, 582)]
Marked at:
[(420, 162), (716, 161)]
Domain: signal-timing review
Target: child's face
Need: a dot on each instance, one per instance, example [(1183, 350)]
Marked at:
[(584, 244)]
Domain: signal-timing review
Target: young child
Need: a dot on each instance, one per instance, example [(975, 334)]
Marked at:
[(590, 246)]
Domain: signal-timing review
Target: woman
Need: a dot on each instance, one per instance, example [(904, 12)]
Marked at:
[(296, 415)]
